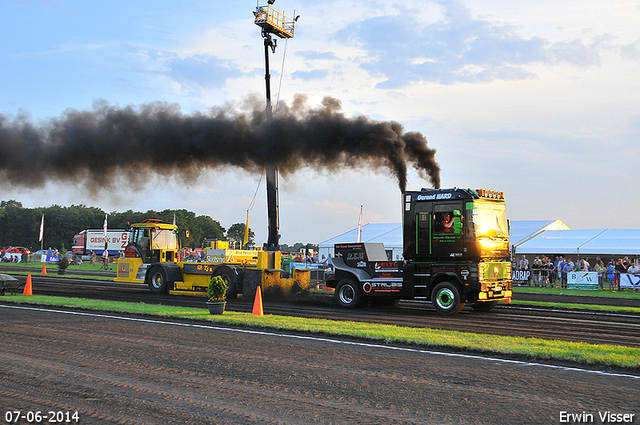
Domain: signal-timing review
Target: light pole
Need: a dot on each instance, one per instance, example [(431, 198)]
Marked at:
[(272, 22)]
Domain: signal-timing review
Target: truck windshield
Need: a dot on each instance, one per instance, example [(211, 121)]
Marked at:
[(490, 224)]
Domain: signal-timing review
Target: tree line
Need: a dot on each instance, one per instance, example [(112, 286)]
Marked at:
[(20, 226)]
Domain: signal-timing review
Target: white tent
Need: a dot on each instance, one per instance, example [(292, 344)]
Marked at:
[(538, 237), (584, 242), (522, 231), (390, 234)]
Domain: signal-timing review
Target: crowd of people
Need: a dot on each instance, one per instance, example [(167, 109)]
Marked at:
[(310, 257), (545, 272), (14, 255)]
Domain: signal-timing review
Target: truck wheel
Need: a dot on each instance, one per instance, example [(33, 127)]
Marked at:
[(446, 299), (484, 306), (157, 280), (228, 276), (348, 294)]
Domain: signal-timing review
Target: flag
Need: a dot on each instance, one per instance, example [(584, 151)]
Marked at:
[(360, 226), (104, 227), (41, 228), (246, 231)]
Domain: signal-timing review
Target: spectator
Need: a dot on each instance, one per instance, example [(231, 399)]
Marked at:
[(620, 268), (551, 272), (558, 268), (536, 271), (611, 275), (567, 267), (601, 270), (524, 263), (330, 262)]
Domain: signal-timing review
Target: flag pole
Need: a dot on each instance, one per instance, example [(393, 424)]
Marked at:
[(42, 233), (360, 226)]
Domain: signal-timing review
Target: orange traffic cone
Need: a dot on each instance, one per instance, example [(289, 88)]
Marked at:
[(44, 268), (27, 287), (257, 304), (507, 300)]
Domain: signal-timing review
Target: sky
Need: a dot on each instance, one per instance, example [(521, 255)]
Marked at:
[(536, 99)]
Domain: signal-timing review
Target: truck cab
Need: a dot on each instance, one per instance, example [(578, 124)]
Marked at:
[(456, 252)]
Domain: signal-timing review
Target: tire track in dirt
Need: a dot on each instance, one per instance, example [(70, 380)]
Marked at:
[(144, 372)]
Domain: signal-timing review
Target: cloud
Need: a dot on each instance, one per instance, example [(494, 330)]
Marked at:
[(200, 71), (456, 48), (310, 54), (631, 50), (315, 74), (575, 52)]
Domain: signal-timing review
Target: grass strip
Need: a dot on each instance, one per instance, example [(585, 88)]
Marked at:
[(579, 306), (532, 348), (53, 273), (627, 293)]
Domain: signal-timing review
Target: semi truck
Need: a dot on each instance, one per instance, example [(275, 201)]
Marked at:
[(151, 258), (93, 241), (456, 252)]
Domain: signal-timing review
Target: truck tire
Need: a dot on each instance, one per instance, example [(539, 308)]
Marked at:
[(348, 293), (484, 306), (446, 299), (229, 278), (157, 280)]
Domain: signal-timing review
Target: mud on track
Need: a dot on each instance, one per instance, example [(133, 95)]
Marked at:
[(140, 371)]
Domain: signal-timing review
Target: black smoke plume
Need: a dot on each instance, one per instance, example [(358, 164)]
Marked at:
[(93, 147)]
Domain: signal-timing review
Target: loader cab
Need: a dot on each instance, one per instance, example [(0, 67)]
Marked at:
[(153, 241)]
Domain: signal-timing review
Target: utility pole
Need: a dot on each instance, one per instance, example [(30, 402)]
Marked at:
[(272, 22)]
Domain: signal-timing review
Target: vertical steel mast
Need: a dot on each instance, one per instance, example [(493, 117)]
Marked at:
[(272, 22)]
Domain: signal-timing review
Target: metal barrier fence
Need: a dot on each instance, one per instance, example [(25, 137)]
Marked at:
[(546, 277)]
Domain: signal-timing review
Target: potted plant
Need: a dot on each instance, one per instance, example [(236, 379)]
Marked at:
[(217, 293), (63, 263)]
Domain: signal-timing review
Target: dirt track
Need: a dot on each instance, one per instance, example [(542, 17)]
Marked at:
[(123, 371), (506, 319)]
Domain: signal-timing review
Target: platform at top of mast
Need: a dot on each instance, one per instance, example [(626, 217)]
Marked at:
[(274, 22)]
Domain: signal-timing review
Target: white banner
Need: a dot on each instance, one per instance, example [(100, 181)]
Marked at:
[(582, 280), (630, 280)]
